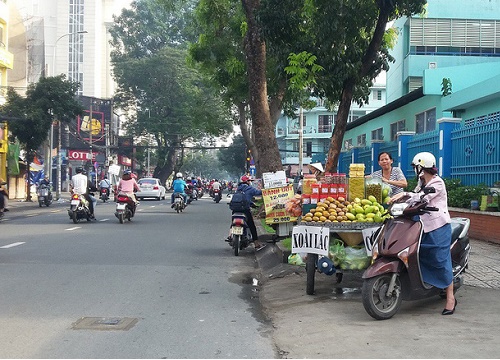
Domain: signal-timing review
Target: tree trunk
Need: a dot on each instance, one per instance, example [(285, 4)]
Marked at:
[(263, 130), (347, 92)]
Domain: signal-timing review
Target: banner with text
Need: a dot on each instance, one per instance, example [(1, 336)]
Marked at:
[(275, 204)]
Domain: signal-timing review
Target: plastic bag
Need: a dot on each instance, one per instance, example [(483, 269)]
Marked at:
[(336, 252), (355, 258), (296, 259)]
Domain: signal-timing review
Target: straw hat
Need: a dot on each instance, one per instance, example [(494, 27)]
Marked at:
[(317, 166)]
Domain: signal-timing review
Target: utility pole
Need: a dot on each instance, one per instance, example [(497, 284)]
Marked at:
[(301, 139)]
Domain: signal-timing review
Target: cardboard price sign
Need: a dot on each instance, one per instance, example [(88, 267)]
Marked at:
[(275, 204)]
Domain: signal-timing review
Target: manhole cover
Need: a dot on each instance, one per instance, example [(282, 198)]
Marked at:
[(104, 323)]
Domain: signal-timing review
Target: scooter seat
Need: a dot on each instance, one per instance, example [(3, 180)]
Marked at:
[(456, 230)]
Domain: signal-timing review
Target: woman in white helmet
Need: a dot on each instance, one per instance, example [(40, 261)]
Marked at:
[(434, 254), (179, 185)]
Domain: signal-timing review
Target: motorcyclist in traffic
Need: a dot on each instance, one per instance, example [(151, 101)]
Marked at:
[(179, 186), (81, 185), (105, 184), (127, 185), (249, 191)]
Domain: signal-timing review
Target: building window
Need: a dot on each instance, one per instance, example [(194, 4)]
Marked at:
[(378, 134), (325, 123), (309, 147), (348, 144), (397, 126), (425, 121), (362, 140), (295, 146), (377, 95)]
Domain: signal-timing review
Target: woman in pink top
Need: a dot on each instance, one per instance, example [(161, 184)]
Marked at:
[(434, 253), (127, 185)]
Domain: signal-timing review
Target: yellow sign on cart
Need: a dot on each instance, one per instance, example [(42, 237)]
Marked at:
[(275, 201)]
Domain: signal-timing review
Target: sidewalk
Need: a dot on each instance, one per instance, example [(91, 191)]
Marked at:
[(483, 271), (333, 324)]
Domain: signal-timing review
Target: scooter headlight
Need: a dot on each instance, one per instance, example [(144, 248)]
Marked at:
[(397, 209), (403, 255)]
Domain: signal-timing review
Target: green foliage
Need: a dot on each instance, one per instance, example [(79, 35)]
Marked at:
[(459, 195), (446, 86), (287, 243), (267, 227), (233, 158), (49, 99)]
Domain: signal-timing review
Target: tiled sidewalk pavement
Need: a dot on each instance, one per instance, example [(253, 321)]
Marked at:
[(484, 265)]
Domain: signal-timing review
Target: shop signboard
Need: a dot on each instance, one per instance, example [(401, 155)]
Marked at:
[(310, 239), (275, 200), (274, 179)]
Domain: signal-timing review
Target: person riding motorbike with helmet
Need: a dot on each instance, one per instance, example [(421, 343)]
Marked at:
[(81, 185), (179, 186), (127, 185), (249, 191), (434, 253)]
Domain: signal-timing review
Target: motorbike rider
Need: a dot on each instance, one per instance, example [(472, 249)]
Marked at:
[(179, 186), (215, 186), (127, 185), (81, 185), (249, 191), (105, 184), (45, 181), (434, 253)]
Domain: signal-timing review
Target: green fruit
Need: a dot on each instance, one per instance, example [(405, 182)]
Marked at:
[(372, 198), (387, 199), (377, 218), (366, 202), (350, 216), (359, 209), (385, 193), (369, 209)]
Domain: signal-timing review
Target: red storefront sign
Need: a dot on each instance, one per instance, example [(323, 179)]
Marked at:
[(123, 160), (81, 155)]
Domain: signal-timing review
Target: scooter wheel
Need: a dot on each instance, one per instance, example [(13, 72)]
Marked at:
[(377, 303)]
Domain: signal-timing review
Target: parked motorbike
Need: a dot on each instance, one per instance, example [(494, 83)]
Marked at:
[(104, 194), (125, 208), (179, 205), (241, 236), (79, 209), (217, 196), (44, 195), (395, 271)]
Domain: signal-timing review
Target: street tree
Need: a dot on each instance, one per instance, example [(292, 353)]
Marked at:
[(349, 39), (233, 158), (162, 94), (49, 99), (220, 51)]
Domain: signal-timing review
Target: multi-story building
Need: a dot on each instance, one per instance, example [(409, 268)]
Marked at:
[(6, 62), (317, 127), (447, 66)]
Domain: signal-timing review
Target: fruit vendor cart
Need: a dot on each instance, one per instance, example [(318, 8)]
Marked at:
[(317, 242)]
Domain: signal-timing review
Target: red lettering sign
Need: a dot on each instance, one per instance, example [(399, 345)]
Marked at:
[(80, 155)]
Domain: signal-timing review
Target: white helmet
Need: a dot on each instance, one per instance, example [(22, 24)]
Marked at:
[(178, 175), (423, 160)]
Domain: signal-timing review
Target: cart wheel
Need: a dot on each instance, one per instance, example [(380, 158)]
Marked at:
[(339, 277), (311, 262)]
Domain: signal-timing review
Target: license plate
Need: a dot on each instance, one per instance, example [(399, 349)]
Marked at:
[(236, 230), (120, 206), (75, 202)]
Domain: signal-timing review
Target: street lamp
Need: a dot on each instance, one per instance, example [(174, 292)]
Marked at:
[(58, 186)]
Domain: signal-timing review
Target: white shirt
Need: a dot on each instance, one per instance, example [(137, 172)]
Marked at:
[(216, 185), (79, 184), (104, 183)]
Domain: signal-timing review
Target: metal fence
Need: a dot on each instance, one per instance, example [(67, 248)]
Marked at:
[(476, 151), (474, 157)]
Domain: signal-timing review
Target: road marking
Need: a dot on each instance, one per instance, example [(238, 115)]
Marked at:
[(12, 245), (73, 228), (54, 211), (104, 220), (31, 215)]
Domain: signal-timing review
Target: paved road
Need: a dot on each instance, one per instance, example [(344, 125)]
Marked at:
[(163, 286)]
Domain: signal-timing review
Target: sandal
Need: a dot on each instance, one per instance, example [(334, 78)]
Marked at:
[(260, 247)]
